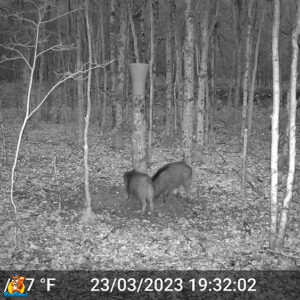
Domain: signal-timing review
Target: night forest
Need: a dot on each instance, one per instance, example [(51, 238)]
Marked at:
[(150, 135)]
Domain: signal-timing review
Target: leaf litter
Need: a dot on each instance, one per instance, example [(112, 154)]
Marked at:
[(216, 230)]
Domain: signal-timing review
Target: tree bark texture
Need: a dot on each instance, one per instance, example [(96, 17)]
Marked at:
[(151, 82), (247, 65), (139, 134), (202, 76), (143, 31), (104, 70), (275, 121), (254, 71), (167, 139), (134, 35), (80, 96), (155, 7), (237, 7), (113, 55), (188, 111), (88, 113), (37, 116), (212, 85), (292, 134), (117, 137), (178, 77)]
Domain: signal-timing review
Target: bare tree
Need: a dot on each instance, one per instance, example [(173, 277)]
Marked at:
[(30, 62), (88, 113), (254, 71), (80, 96), (151, 81), (143, 31), (237, 10), (275, 121), (245, 91), (247, 132), (105, 77), (3, 137), (36, 118), (117, 132), (155, 8), (113, 55), (188, 110), (178, 99), (98, 47), (134, 35), (247, 64), (167, 138), (202, 74), (292, 133), (211, 84)]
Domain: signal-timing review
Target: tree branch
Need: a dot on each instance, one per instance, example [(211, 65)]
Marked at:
[(65, 77), (65, 14), (57, 47), (14, 58), (24, 19)]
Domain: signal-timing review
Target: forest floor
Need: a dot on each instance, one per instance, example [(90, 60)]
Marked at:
[(215, 230)]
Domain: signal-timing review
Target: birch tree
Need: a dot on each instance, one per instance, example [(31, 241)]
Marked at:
[(246, 91), (275, 121), (247, 64), (292, 133), (88, 113)]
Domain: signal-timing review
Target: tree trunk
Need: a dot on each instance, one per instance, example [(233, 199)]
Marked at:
[(139, 74), (275, 121), (139, 134), (102, 59), (292, 134), (151, 83), (87, 117), (113, 55), (80, 95), (3, 137), (167, 139), (246, 87), (202, 79), (212, 83), (237, 6), (37, 116), (97, 55), (143, 33), (156, 30), (187, 122), (254, 71), (207, 114), (247, 65), (178, 78), (117, 136), (134, 35)]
